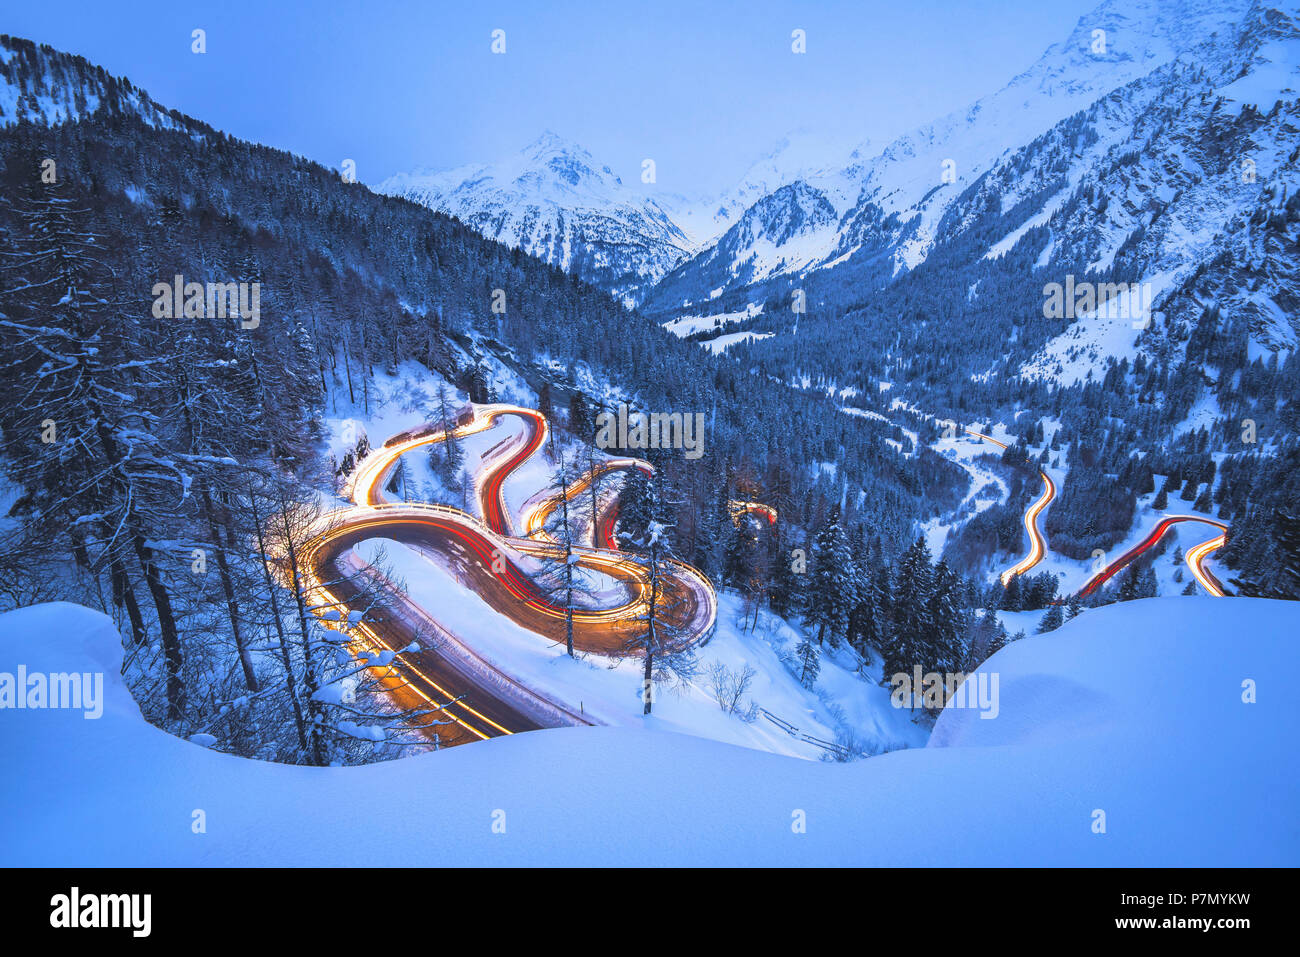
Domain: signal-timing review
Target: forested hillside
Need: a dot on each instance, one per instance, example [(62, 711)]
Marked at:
[(135, 439), (1179, 185)]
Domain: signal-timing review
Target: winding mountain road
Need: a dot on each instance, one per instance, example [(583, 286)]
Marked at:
[(441, 671), (488, 557), (1037, 543), (1195, 556)]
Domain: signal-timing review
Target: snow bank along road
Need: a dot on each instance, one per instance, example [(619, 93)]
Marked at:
[(488, 556)]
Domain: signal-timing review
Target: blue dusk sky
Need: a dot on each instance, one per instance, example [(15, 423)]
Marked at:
[(704, 88)]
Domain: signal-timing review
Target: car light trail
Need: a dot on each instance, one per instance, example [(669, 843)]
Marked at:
[(1194, 557), (487, 541), (1037, 544)]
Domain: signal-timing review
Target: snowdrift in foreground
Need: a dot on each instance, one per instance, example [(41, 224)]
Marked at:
[(1135, 710)]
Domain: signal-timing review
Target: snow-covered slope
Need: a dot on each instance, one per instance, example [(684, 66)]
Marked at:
[(554, 201), (1181, 182), (42, 85), (1135, 710), (1118, 42)]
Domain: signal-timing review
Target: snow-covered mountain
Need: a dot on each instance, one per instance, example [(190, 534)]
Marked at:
[(554, 201), (1202, 217), (812, 206), (901, 196), (1180, 180), (801, 155), (784, 231)]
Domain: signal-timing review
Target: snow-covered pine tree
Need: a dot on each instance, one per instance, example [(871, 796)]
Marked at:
[(830, 586), (1280, 578), (634, 506), (1073, 605), (660, 629), (808, 659), (556, 580), (947, 645), (1012, 599), (446, 456), (912, 626)]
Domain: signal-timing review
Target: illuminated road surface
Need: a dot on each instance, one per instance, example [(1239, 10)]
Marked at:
[(1195, 556), (1037, 544), (487, 556)]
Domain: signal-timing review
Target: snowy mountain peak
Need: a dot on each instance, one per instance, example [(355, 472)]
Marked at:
[(554, 200), (549, 141), (814, 157), (551, 158)]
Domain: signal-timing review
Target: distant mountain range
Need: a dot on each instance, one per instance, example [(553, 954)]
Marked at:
[(1135, 105), (1137, 149)]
